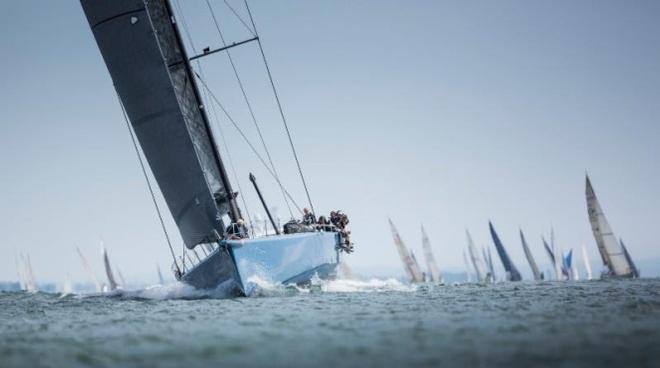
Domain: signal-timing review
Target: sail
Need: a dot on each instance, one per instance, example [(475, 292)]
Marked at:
[(610, 249), (568, 264), (91, 274), (491, 268), (509, 267), (415, 267), (406, 259), (477, 262), (553, 259), (530, 258), (152, 76), (468, 278), (432, 266), (108, 271), (630, 261), (29, 272), (161, 281), (587, 264)]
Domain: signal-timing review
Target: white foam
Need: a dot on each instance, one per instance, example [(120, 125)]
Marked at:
[(365, 286)]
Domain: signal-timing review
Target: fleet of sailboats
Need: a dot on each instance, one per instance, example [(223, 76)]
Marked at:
[(616, 258)]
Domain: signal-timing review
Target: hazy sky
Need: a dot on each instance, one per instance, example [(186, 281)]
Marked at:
[(446, 113)]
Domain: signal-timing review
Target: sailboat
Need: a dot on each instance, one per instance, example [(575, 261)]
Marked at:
[(479, 266), (491, 268), (587, 263), (433, 271), (630, 261), (97, 285), (409, 264), (142, 47), (468, 277), (509, 267), (553, 259), (530, 257), (161, 281), (112, 284), (615, 256)]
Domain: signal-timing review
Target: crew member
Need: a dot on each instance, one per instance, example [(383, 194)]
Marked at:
[(236, 230), (308, 217)]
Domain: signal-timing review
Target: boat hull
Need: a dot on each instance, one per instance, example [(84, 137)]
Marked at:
[(238, 265)]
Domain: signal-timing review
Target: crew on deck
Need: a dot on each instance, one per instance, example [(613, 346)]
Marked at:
[(308, 217)]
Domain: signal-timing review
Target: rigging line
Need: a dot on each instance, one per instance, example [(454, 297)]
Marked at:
[(247, 102), (252, 32), (245, 138), (146, 177), (201, 70), (279, 106), (214, 115)]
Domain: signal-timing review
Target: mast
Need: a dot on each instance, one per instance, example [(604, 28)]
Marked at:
[(234, 212)]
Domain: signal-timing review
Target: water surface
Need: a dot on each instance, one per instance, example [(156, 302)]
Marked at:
[(340, 324)]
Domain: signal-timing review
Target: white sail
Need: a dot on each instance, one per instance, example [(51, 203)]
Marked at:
[(477, 262), (19, 272), (91, 274), (31, 282), (161, 281), (432, 266), (609, 247), (467, 268), (414, 274), (415, 267), (587, 263), (67, 286)]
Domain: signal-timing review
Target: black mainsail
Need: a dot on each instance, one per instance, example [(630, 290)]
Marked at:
[(152, 75)]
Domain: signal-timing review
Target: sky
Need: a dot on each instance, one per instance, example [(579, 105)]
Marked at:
[(446, 113)]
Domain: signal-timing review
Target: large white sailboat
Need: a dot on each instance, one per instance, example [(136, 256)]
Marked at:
[(616, 259)]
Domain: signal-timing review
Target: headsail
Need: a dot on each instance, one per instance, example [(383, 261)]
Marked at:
[(477, 262), (153, 78), (611, 251), (530, 257), (432, 266), (408, 264), (491, 267), (630, 261), (415, 267), (509, 267)]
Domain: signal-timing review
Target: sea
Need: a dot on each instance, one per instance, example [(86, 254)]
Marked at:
[(341, 323)]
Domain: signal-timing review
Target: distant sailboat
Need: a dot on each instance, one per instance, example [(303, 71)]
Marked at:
[(509, 267), (431, 266), (468, 278), (412, 271), (478, 264), (491, 267), (530, 258), (587, 263), (161, 281), (416, 267), (553, 260), (613, 253), (112, 284), (31, 282), (567, 265), (90, 273)]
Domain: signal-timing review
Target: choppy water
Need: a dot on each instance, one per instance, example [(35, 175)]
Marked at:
[(341, 323)]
